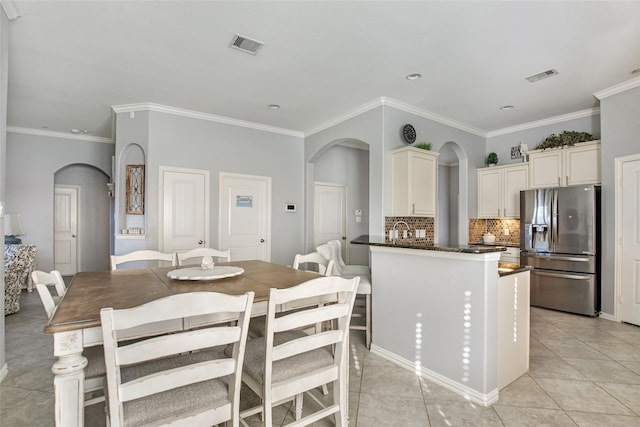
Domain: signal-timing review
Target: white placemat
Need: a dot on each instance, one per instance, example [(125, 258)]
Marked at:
[(197, 273)]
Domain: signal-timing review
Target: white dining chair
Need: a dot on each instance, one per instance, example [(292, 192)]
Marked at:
[(332, 250), (202, 252), (314, 261), (182, 378), (143, 255), (54, 278), (287, 362), (322, 264), (343, 268), (95, 370)]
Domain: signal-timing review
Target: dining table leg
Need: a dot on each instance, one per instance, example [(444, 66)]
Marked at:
[(68, 380)]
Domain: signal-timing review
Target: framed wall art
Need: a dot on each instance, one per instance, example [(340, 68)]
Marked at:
[(135, 189)]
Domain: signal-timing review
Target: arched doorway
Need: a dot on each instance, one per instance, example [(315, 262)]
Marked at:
[(452, 195), (343, 164), (81, 219)]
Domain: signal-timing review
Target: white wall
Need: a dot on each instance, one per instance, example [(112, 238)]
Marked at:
[(33, 162), (172, 140), (4, 53), (620, 121)]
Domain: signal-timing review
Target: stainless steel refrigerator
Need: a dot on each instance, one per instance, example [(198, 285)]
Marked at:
[(560, 239)]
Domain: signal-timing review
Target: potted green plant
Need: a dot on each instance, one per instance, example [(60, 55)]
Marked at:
[(492, 159), (568, 138), (424, 146)]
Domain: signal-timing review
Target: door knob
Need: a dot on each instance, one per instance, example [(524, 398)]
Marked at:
[(200, 242), (344, 237), (73, 235), (261, 240)]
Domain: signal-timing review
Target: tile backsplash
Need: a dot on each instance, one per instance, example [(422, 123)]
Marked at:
[(415, 223), (477, 227)]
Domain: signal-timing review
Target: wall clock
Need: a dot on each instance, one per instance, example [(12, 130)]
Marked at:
[(408, 134)]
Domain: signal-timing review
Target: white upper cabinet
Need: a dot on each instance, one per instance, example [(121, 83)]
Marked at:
[(561, 167), (414, 182), (499, 190)]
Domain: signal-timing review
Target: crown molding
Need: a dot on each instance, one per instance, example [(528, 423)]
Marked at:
[(619, 88), (389, 102), (55, 134), (148, 106), (432, 116), (346, 116), (544, 122), (11, 9)]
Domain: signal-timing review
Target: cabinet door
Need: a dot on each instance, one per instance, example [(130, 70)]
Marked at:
[(582, 165), (516, 179), (489, 193), (546, 169), (422, 182)]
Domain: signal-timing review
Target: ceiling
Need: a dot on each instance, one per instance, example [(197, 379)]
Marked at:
[(70, 61)]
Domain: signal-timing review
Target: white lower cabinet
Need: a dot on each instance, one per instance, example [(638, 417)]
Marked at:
[(499, 190), (513, 327), (562, 167)]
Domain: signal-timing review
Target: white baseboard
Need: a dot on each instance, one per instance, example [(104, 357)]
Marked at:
[(3, 372), (607, 316), (464, 391)]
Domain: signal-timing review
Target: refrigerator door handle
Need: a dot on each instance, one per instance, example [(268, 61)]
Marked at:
[(554, 219), (562, 258), (561, 275)]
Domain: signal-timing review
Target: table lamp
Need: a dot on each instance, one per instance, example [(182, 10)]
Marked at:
[(13, 228)]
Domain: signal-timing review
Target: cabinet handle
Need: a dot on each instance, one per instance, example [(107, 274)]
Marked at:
[(413, 208), (567, 180), (559, 183), (498, 211)]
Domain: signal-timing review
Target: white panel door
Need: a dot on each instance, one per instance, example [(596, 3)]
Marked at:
[(185, 213), (245, 216), (630, 290), (65, 228), (329, 219)]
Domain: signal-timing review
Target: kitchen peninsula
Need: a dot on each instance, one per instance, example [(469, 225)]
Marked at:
[(448, 314)]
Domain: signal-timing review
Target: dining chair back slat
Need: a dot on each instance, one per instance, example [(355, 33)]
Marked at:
[(202, 252), (143, 255)]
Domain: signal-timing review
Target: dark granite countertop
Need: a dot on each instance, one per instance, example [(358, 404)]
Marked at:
[(366, 239), (507, 269)]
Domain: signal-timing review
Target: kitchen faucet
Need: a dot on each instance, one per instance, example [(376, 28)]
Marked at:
[(401, 222)]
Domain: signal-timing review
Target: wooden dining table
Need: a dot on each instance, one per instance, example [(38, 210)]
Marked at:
[(76, 322)]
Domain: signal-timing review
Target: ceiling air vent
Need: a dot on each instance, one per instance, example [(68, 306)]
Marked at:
[(245, 45), (542, 75)]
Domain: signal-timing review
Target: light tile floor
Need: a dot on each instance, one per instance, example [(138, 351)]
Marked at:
[(583, 371)]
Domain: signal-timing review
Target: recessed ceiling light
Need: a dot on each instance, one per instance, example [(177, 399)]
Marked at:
[(273, 106), (506, 107), (75, 130), (636, 71), (414, 76)]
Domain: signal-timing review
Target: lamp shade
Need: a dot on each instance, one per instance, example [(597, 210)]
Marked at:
[(13, 225)]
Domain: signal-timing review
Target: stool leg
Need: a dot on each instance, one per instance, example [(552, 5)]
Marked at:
[(367, 315)]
